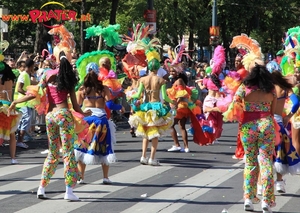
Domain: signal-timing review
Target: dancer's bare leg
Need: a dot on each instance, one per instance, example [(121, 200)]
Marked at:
[(81, 167), (105, 169), (12, 145), (145, 147), (174, 133), (154, 143), (182, 123)]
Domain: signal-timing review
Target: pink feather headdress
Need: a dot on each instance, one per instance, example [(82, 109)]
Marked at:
[(176, 62), (218, 59)]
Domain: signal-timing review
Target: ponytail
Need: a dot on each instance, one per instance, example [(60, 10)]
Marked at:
[(215, 79), (66, 78)]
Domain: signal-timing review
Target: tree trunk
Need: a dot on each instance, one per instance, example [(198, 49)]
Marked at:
[(82, 27), (113, 13)]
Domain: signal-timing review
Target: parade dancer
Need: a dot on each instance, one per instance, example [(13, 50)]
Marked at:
[(59, 83), (255, 102), (97, 148), (8, 124), (213, 117), (152, 118), (287, 160)]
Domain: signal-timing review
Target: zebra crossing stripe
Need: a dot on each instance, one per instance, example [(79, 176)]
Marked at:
[(29, 183), (292, 187), (85, 192), (185, 191), (8, 170)]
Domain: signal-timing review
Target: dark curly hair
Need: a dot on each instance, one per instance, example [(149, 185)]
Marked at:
[(260, 77), (280, 81), (7, 74), (91, 81), (215, 79), (66, 78)]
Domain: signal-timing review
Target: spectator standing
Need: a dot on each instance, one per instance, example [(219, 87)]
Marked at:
[(20, 91)]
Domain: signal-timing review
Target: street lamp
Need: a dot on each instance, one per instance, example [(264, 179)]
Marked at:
[(214, 30), (3, 25)]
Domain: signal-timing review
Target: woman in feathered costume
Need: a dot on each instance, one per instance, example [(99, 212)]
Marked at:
[(185, 98), (213, 121), (245, 45), (8, 124), (152, 118), (98, 146), (134, 62), (291, 62), (287, 160)]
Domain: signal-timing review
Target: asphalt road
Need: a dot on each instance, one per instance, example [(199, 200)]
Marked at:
[(206, 180)]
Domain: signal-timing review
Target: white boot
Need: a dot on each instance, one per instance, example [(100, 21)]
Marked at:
[(41, 193), (69, 195)]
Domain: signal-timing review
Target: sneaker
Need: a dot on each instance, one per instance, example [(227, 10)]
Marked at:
[(46, 151), (71, 197), (41, 193), (186, 150), (153, 162), (259, 189), (144, 161), (14, 161), (80, 181), (106, 181), (22, 145), (267, 208), (280, 186), (174, 149), (248, 205)]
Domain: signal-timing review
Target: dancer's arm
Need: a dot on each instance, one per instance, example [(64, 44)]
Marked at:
[(139, 92), (109, 102), (76, 106), (164, 94)]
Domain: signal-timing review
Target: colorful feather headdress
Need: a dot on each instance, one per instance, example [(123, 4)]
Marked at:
[(218, 60), (248, 47), (292, 48), (135, 56), (109, 33), (89, 57), (175, 58)]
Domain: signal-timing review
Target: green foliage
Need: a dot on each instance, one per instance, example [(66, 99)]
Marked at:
[(266, 21)]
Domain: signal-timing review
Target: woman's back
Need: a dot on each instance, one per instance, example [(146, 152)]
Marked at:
[(152, 84), (94, 99), (257, 100)]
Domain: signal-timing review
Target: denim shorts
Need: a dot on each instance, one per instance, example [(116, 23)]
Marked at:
[(26, 118)]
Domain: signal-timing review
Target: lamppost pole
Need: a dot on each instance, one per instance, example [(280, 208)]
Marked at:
[(214, 23), (214, 14), (150, 4)]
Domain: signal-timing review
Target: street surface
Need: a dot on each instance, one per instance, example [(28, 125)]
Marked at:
[(206, 180)]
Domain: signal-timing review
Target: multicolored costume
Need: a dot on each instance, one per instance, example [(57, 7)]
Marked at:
[(60, 126), (212, 122), (8, 124), (258, 137), (187, 108), (287, 160), (233, 80), (98, 147), (151, 119)]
